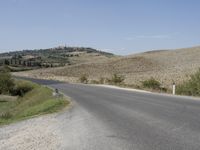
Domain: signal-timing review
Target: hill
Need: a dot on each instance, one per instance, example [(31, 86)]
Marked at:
[(52, 57), (167, 66)]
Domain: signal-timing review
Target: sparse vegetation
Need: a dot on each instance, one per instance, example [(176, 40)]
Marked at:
[(190, 87), (151, 84), (94, 82), (83, 79), (116, 79), (100, 81)]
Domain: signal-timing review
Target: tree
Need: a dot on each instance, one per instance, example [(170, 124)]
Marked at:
[(6, 62), (6, 82)]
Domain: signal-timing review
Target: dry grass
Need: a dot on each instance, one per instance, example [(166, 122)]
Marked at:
[(165, 66)]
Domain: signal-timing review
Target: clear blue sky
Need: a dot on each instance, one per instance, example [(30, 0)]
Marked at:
[(119, 26)]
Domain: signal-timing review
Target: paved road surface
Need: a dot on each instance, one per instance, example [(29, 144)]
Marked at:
[(112, 119)]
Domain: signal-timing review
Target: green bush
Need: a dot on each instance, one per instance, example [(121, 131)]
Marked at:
[(9, 86), (6, 82), (116, 79), (84, 79), (190, 87), (21, 88), (151, 83)]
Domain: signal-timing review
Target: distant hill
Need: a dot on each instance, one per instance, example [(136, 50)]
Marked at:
[(52, 57), (167, 66), (60, 50)]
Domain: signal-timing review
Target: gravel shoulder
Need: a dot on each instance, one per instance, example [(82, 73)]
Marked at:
[(74, 128), (37, 133)]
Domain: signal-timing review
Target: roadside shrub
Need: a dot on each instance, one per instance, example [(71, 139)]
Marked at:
[(94, 82), (21, 88), (6, 82), (151, 83), (190, 87), (84, 79), (101, 80), (116, 79)]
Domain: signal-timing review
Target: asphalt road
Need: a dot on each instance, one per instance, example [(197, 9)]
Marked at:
[(112, 119)]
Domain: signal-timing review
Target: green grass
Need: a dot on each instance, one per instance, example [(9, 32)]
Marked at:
[(5, 105), (36, 102)]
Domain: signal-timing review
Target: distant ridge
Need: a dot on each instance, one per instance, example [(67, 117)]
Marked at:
[(51, 57), (49, 50)]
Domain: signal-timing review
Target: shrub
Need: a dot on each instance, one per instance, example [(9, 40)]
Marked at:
[(6, 82), (101, 80), (84, 79), (116, 79), (21, 88), (94, 82), (190, 87), (151, 83)]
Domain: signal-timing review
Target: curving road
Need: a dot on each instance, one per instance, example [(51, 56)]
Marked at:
[(105, 118)]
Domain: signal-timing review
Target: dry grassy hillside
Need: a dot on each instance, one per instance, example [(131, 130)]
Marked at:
[(166, 66), (174, 65)]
